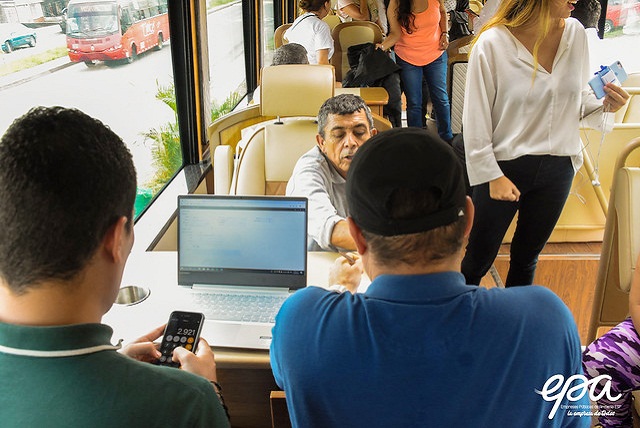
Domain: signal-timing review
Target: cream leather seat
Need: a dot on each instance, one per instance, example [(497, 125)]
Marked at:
[(332, 19), (348, 34), (264, 160), (278, 36), (620, 246)]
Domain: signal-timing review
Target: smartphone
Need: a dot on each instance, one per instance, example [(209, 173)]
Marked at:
[(183, 329), (614, 73)]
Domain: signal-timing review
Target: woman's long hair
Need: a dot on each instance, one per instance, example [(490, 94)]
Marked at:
[(515, 13), (405, 15)]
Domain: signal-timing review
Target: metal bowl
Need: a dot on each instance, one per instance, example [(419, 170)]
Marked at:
[(132, 295)]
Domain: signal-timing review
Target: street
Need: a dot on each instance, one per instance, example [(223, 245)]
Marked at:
[(123, 96)]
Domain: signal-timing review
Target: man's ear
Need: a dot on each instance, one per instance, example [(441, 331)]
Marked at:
[(374, 131), (469, 214), (356, 234), (320, 142), (116, 242)]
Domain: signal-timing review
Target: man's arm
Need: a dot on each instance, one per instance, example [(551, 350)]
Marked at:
[(341, 238), (311, 181)]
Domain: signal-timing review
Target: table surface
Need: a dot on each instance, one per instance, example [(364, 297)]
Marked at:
[(371, 95), (157, 272)]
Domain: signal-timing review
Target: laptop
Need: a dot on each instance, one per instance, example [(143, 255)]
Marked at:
[(239, 258)]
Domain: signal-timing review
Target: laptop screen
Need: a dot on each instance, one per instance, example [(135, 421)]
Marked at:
[(242, 240)]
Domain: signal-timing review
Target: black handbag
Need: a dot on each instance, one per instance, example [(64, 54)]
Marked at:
[(459, 25)]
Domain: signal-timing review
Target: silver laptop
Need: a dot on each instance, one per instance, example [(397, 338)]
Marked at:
[(241, 257)]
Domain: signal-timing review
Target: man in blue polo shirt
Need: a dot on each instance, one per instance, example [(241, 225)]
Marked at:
[(421, 348)]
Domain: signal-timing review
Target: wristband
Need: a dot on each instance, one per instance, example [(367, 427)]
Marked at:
[(218, 390)]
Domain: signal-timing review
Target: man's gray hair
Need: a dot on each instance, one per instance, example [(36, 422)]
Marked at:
[(291, 53), (342, 104)]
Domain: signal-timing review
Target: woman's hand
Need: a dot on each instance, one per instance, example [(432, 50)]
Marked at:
[(616, 97), (502, 189), (143, 348), (444, 41)]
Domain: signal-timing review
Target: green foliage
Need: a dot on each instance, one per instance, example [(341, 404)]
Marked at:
[(227, 106), (165, 140), (33, 60)]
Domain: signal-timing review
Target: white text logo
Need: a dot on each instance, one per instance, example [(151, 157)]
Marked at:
[(575, 392)]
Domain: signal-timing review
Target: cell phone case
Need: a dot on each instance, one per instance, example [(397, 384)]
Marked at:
[(619, 71), (598, 85)]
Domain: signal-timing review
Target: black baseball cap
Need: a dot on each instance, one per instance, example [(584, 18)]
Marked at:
[(404, 158)]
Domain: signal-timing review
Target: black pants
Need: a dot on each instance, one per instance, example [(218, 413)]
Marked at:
[(544, 183)]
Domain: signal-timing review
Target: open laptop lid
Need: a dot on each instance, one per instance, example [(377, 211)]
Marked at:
[(242, 241)]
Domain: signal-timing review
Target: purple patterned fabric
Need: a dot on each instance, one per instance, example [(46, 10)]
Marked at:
[(616, 354)]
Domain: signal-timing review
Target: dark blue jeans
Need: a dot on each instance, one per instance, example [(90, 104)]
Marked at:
[(544, 183), (435, 74)]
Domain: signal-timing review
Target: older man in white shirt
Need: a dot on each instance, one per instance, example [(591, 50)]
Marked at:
[(344, 124)]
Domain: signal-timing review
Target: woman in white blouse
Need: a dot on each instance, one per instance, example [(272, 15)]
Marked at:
[(310, 31), (526, 93)]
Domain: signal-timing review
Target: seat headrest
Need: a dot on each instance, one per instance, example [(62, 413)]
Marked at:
[(627, 204), (295, 89)]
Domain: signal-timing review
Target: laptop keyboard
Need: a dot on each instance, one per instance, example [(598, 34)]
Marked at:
[(228, 306)]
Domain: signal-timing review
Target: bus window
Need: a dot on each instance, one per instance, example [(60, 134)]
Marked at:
[(268, 28), (227, 71), (621, 35), (125, 19), (135, 100)]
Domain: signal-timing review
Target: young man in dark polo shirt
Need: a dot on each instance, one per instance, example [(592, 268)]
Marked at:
[(67, 188)]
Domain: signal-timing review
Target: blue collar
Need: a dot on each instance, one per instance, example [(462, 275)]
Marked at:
[(419, 288)]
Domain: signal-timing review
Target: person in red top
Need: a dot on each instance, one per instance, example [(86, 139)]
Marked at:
[(418, 33)]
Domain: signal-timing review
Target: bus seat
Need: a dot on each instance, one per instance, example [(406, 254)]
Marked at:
[(458, 53), (627, 208), (333, 20), (266, 156), (295, 89), (223, 167), (278, 36), (633, 79), (348, 34), (267, 160), (630, 112), (620, 246)]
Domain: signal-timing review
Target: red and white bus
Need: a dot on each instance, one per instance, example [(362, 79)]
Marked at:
[(107, 30)]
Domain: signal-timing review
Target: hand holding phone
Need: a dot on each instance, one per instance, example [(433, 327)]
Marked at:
[(183, 330), (614, 73)]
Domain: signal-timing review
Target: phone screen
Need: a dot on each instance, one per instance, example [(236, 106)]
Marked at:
[(183, 329)]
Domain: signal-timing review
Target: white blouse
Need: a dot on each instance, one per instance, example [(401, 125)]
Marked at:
[(507, 114), (312, 33)]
